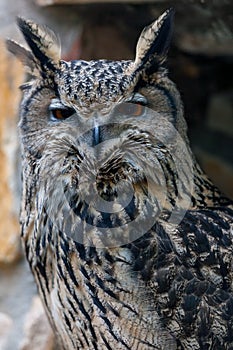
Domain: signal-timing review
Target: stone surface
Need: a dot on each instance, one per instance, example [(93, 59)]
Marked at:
[(11, 76), (220, 171), (5, 327), (17, 289), (37, 331), (79, 2), (220, 112), (204, 27)]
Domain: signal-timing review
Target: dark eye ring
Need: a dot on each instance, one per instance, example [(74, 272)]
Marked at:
[(61, 113)]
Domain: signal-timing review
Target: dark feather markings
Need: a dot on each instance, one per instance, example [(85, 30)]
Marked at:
[(159, 48), (34, 41)]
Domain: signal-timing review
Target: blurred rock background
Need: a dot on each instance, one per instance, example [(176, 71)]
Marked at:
[(200, 62)]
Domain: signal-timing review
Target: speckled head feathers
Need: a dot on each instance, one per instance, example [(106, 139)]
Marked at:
[(102, 79)]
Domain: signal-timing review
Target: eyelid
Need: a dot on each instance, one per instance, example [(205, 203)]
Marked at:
[(56, 104), (138, 98), (26, 86)]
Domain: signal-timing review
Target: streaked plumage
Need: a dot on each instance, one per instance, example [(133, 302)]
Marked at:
[(129, 242)]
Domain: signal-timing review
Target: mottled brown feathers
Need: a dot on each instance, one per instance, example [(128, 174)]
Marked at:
[(129, 242)]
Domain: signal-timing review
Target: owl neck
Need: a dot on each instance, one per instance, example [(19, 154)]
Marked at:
[(188, 188), (206, 194)]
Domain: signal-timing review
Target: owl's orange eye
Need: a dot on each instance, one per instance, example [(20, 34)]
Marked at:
[(130, 109), (61, 113), (57, 113), (136, 109)]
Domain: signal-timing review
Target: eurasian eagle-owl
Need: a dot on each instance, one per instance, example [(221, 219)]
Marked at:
[(129, 242)]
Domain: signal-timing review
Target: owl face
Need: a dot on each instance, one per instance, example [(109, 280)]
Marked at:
[(102, 135)]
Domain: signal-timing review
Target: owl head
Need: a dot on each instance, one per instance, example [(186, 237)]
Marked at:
[(104, 140), (97, 86)]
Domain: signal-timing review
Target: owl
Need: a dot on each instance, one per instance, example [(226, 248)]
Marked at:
[(129, 242)]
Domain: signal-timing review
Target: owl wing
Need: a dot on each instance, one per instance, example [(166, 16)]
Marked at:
[(193, 278)]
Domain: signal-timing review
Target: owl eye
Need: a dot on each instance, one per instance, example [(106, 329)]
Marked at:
[(135, 109), (61, 114), (130, 109)]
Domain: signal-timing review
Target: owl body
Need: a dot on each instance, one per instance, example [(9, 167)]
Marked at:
[(129, 242)]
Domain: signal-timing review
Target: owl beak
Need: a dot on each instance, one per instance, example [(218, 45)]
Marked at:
[(96, 137)]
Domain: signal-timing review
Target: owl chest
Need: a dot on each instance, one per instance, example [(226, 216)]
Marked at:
[(91, 307)]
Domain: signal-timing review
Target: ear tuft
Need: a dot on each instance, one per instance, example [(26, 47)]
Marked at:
[(43, 43), (23, 55), (154, 42)]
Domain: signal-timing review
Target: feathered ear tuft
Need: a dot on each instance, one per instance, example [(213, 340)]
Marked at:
[(154, 42), (45, 47), (23, 55)]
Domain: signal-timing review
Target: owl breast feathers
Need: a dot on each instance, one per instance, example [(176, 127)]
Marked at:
[(129, 242)]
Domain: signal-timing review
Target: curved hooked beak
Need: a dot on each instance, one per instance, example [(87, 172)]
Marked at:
[(96, 135)]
